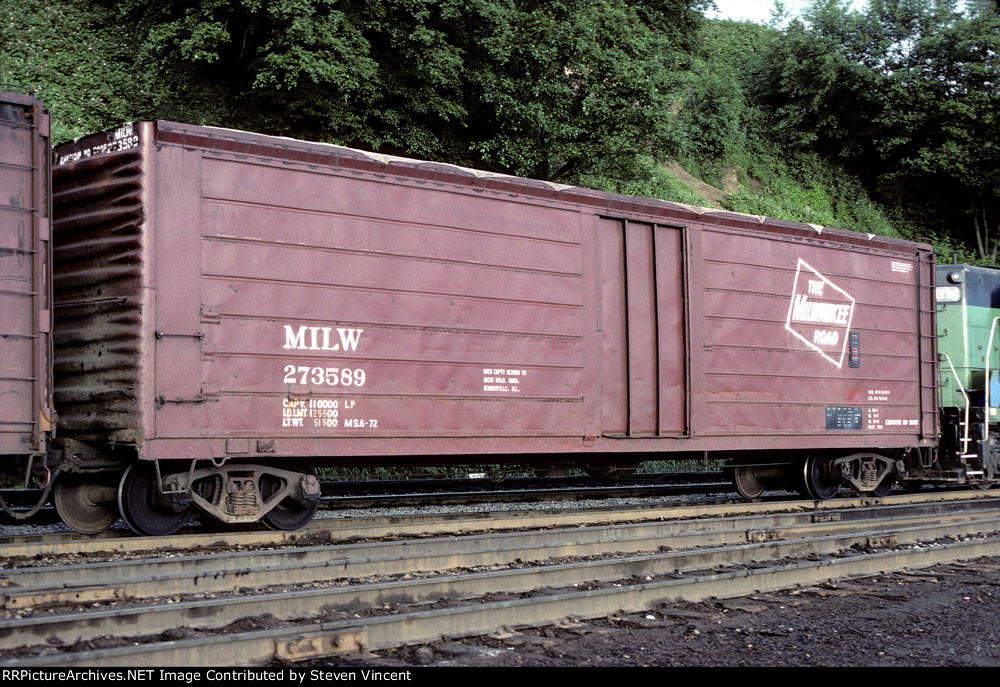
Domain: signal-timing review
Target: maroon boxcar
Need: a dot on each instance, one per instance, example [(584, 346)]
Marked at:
[(236, 309), (26, 416)]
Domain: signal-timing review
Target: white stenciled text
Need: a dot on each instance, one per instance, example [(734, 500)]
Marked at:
[(321, 338)]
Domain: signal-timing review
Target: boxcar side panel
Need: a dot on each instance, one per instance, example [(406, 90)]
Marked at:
[(338, 305), (614, 331), (641, 297), (927, 301), (807, 337), (672, 324)]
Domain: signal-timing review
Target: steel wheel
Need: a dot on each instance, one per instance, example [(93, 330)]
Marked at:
[(144, 509), (746, 481), (819, 481), (85, 504), (289, 514)]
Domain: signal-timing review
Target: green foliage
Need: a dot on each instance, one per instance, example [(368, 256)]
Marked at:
[(572, 87), (552, 90), (600, 93), (803, 187), (76, 58), (295, 67), (715, 112), (943, 132), (651, 181), (906, 96), (728, 126), (819, 94)]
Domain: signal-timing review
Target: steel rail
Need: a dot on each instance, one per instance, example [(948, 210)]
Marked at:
[(382, 632), (322, 530), (214, 613), (194, 613), (140, 578), (374, 494), (523, 494), (376, 487)]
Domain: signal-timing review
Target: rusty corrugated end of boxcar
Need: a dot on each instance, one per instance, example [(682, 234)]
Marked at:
[(98, 286)]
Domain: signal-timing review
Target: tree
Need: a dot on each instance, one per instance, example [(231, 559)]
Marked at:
[(907, 95), (715, 114), (76, 58), (818, 83), (382, 75), (573, 86), (943, 131), (551, 89)]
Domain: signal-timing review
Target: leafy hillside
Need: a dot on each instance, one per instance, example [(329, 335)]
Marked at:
[(881, 121)]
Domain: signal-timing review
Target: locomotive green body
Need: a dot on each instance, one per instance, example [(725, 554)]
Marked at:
[(968, 329)]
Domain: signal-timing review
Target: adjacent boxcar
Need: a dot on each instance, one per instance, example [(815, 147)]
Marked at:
[(236, 309), (26, 416)]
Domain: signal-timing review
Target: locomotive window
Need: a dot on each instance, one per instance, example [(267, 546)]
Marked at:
[(948, 294)]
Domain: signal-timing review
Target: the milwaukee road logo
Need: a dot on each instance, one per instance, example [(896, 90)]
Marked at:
[(820, 313)]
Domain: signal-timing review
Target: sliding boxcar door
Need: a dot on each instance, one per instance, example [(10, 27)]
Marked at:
[(642, 322)]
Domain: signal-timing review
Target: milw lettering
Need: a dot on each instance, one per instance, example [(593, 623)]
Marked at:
[(318, 338)]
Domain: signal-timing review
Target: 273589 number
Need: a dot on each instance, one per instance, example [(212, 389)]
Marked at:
[(324, 376)]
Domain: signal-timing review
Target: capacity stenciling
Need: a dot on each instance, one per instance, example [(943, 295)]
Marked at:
[(322, 413), (503, 379)]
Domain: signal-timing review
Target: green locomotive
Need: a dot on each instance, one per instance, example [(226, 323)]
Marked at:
[(968, 328)]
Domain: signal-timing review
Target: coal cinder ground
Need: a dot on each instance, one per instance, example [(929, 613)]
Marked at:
[(940, 616)]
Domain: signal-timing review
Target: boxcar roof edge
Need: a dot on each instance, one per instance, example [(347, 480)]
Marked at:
[(333, 155)]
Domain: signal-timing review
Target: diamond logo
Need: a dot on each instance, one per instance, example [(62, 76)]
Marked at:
[(820, 313)]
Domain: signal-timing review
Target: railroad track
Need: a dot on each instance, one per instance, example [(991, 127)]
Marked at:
[(518, 489), (313, 594), (395, 493)]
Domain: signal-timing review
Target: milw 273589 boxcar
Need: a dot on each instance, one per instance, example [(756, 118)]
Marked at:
[(237, 309)]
